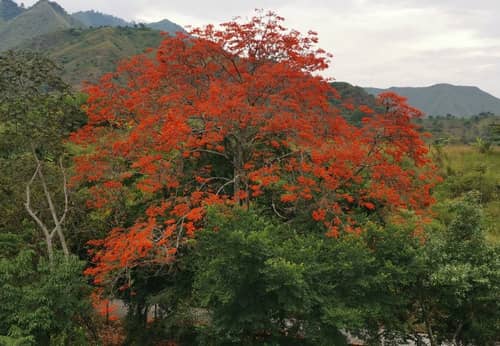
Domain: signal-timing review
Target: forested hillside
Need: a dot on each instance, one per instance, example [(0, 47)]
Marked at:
[(86, 54)]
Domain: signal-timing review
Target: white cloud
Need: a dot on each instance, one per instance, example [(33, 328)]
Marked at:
[(378, 43)]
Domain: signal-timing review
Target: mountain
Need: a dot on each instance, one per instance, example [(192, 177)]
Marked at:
[(9, 9), (86, 54), (443, 99), (166, 26), (86, 44), (42, 18), (96, 19)]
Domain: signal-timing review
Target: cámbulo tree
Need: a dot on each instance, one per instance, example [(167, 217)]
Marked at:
[(238, 115)]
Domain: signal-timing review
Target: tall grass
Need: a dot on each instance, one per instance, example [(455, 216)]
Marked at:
[(464, 168)]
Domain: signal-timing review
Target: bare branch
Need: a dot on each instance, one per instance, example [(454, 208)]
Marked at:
[(52, 208), (28, 203), (46, 233), (65, 190), (224, 185), (276, 211), (210, 152), (179, 234), (205, 183), (57, 221)]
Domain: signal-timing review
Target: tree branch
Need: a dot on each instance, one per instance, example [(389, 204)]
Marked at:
[(224, 185), (48, 235)]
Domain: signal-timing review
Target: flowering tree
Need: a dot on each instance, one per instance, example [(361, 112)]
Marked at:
[(237, 115)]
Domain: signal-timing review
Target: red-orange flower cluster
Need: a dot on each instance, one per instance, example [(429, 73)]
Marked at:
[(233, 116)]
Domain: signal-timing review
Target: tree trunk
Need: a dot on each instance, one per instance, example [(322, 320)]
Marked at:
[(428, 326), (58, 221), (50, 248), (238, 171), (456, 341), (62, 239)]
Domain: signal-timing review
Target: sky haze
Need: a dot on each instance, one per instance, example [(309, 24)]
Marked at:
[(378, 43)]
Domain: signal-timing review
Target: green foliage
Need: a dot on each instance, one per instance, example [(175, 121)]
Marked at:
[(37, 112), (494, 132), (43, 304), (456, 130), (40, 303), (482, 145), (86, 54), (262, 281), (459, 296), (258, 281), (464, 169), (36, 106), (249, 279)]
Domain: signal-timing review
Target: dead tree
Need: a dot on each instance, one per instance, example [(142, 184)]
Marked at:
[(49, 232)]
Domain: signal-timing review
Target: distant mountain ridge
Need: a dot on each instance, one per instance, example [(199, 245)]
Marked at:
[(9, 9), (19, 25), (96, 19), (443, 99)]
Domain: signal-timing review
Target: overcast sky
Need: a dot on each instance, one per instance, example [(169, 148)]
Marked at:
[(379, 43)]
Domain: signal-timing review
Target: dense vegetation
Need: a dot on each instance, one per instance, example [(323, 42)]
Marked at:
[(85, 54), (218, 193), (455, 130)]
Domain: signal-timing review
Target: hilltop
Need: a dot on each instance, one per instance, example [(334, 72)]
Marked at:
[(443, 99), (42, 18)]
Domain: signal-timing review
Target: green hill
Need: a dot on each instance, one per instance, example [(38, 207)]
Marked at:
[(443, 99), (85, 54), (42, 18)]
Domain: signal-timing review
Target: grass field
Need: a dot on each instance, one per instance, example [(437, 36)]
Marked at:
[(464, 169)]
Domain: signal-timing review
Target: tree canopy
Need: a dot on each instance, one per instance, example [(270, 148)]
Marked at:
[(238, 115)]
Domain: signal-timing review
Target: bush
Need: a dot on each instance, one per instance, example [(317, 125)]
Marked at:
[(42, 304)]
